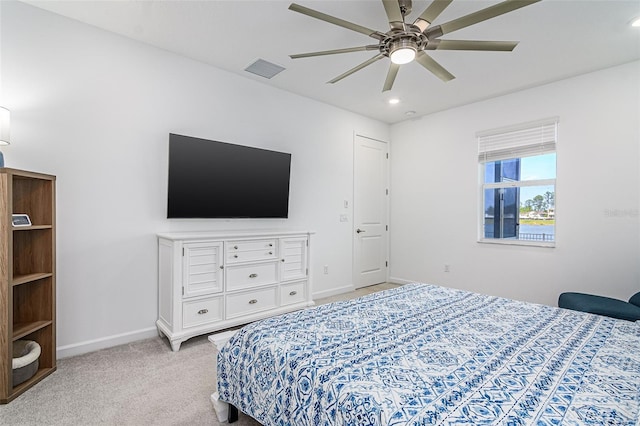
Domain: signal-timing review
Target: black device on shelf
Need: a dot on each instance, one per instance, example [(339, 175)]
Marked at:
[(211, 179)]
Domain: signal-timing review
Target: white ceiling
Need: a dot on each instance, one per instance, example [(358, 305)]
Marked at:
[(558, 39)]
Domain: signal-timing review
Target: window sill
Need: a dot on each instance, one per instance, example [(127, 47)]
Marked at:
[(509, 242)]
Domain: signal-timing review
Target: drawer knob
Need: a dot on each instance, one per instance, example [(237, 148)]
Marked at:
[(253, 276), (293, 293), (202, 311), (235, 247), (282, 260), (235, 255), (270, 245), (253, 301), (221, 266), (270, 252)]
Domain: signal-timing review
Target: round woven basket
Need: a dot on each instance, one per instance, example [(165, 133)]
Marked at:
[(25, 360)]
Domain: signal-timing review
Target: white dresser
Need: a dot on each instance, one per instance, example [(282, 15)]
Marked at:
[(209, 281)]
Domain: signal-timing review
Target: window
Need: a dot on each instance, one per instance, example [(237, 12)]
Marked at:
[(518, 181)]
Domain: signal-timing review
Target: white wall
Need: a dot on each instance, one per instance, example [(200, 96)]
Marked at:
[(434, 200), (96, 110)]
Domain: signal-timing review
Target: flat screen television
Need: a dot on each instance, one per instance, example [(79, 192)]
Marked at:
[(211, 179)]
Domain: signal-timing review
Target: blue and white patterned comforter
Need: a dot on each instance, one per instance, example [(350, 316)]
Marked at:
[(421, 354)]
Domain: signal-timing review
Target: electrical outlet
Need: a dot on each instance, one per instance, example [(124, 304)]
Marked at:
[(447, 268), (326, 269)]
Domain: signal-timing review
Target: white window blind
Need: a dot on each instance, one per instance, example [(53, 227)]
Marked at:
[(523, 140)]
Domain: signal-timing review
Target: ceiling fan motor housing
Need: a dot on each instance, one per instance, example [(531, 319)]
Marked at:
[(398, 39)]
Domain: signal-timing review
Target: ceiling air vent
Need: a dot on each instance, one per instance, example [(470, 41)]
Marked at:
[(264, 69)]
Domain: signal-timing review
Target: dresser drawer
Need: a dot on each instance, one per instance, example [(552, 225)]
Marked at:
[(293, 293), (203, 311), (246, 276), (248, 302), (251, 250)]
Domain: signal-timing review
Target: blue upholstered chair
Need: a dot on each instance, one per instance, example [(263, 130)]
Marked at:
[(601, 305)]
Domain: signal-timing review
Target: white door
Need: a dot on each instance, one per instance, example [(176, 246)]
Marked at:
[(370, 211)]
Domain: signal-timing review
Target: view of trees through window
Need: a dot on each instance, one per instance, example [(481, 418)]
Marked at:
[(539, 203)]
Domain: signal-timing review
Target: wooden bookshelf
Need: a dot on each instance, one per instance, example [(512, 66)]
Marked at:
[(27, 274)]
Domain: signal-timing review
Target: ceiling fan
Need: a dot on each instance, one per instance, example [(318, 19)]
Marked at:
[(405, 42)]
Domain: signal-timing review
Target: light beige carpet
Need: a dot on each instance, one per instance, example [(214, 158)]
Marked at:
[(142, 383)]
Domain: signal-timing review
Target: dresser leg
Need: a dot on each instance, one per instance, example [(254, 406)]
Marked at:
[(175, 345)]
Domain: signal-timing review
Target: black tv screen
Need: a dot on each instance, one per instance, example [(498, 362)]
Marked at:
[(210, 179)]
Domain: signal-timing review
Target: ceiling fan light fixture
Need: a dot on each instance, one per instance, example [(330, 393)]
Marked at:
[(403, 52), (403, 55)]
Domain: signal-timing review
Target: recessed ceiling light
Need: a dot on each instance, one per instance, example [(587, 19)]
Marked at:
[(394, 101), (409, 113), (635, 22)]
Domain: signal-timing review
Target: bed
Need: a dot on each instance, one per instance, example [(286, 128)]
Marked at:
[(422, 354)]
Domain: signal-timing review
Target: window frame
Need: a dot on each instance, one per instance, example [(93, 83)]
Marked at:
[(527, 150)]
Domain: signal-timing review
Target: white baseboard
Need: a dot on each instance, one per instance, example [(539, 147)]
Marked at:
[(396, 280), (333, 292), (105, 342)]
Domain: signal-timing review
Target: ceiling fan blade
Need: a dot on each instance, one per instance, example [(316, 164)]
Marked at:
[(491, 46), (391, 76), (335, 51), (429, 63), (357, 68), (392, 7), (431, 13), (336, 21), (479, 16)]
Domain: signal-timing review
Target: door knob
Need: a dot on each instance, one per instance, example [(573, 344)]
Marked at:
[(359, 230)]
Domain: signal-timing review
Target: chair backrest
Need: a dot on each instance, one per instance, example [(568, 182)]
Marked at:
[(635, 299)]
